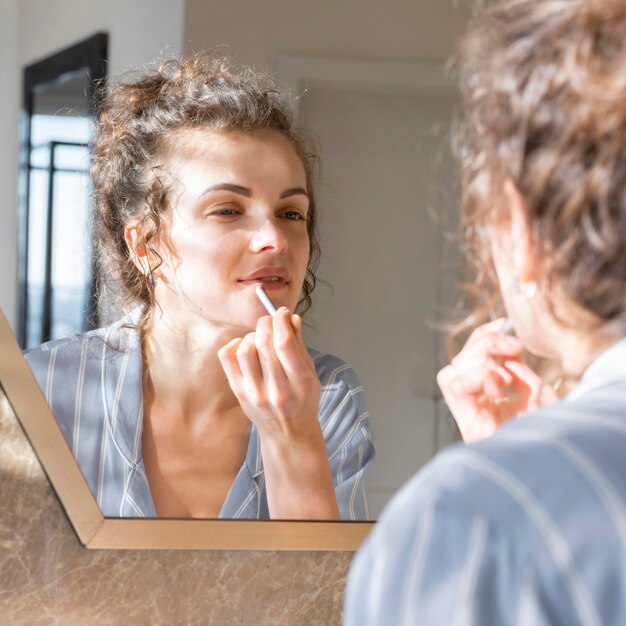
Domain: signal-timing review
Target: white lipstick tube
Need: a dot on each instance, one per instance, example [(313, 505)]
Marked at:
[(265, 300), (507, 327)]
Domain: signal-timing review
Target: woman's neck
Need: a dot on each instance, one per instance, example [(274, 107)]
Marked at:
[(578, 350), (182, 369)]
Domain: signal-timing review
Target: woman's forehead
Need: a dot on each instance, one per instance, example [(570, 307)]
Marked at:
[(251, 154), (194, 142)]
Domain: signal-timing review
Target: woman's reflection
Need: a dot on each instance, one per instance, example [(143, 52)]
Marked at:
[(197, 403)]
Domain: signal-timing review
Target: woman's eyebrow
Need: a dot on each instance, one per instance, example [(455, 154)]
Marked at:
[(242, 191), (294, 191), (245, 191)]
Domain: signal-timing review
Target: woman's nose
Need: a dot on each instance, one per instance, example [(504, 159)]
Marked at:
[(268, 236)]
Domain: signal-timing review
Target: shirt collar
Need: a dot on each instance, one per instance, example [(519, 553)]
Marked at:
[(122, 385), (254, 460), (607, 368)]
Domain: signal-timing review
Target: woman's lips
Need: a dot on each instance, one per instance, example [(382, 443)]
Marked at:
[(270, 277), (268, 285)]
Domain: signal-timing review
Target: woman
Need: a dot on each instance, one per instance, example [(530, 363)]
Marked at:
[(199, 404), (527, 525)]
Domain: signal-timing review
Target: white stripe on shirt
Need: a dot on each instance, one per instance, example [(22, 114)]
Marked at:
[(79, 396), (547, 529), (467, 588), (526, 613), (605, 493), (118, 391), (328, 384), (50, 377), (409, 599), (347, 440)]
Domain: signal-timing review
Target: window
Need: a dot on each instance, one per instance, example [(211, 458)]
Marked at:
[(57, 278)]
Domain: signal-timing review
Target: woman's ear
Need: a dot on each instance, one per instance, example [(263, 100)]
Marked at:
[(136, 247), (522, 248)]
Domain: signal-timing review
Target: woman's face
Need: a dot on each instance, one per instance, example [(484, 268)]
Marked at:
[(237, 219)]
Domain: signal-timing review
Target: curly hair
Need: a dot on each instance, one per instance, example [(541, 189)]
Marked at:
[(133, 133), (543, 86)]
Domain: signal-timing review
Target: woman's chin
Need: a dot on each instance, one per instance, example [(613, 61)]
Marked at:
[(536, 345), (248, 324)]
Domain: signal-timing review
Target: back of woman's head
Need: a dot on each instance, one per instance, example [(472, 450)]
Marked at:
[(544, 92), (141, 122)]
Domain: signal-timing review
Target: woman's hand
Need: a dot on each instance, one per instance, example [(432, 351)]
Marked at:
[(272, 375), (274, 379), (486, 383)]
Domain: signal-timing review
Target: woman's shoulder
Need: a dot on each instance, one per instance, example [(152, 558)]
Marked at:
[(331, 370), (343, 412), (543, 460), (96, 344)]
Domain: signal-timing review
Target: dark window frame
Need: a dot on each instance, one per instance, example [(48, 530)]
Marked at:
[(90, 55)]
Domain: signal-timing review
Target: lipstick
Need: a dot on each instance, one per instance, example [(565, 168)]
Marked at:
[(265, 300), (507, 327)]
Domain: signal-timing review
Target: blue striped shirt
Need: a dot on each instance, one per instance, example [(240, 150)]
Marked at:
[(93, 384), (525, 528)]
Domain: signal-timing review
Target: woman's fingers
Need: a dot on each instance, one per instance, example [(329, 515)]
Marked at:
[(230, 364), (296, 324), (271, 355), (501, 371), (248, 360), (272, 370), (479, 378), (494, 326), (481, 383), (272, 374), (484, 356), (490, 345), (289, 346), (539, 393)]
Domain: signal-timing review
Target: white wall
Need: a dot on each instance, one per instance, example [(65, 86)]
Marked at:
[(257, 31), (33, 29), (138, 30), (9, 102)]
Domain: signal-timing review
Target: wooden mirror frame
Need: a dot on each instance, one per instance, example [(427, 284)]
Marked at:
[(95, 531)]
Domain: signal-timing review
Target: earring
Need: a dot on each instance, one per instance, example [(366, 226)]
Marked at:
[(150, 278), (524, 290)]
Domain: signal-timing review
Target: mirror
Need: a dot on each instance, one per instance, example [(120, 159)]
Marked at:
[(382, 131)]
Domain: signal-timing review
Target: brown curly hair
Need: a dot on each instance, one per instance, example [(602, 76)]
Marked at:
[(133, 132), (543, 86)]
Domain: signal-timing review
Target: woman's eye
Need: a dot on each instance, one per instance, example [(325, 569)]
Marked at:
[(225, 212), (293, 215)]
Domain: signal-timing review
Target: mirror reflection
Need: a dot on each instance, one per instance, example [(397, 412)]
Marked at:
[(197, 403), (192, 401)]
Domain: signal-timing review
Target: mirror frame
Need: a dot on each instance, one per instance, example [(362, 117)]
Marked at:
[(95, 531)]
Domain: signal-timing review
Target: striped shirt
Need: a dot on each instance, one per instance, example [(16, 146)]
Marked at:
[(93, 384), (525, 528)]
